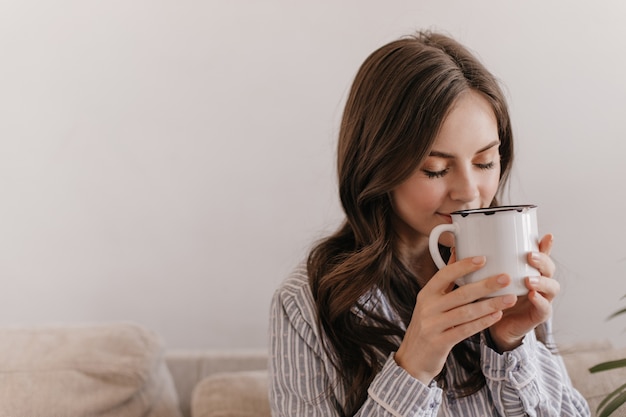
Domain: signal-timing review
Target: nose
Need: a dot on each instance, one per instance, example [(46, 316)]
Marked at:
[(465, 187)]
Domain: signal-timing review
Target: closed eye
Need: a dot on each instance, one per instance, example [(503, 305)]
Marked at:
[(437, 174), (488, 165)]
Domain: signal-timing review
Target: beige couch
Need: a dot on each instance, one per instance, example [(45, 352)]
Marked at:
[(121, 369)]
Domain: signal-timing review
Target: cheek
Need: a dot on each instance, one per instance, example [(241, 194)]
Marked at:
[(413, 200), (490, 187), (431, 198)]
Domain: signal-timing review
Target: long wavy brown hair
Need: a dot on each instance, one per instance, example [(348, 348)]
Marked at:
[(396, 106)]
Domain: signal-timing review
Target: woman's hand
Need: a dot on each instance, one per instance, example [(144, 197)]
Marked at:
[(532, 309), (444, 316)]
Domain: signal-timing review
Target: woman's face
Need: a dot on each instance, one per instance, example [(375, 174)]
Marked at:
[(461, 172)]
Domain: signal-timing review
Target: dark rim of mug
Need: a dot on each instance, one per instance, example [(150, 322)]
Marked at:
[(492, 210)]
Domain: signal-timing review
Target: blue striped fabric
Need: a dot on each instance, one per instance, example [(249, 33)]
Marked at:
[(528, 381)]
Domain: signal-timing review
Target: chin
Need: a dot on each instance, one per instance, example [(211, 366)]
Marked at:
[(446, 239)]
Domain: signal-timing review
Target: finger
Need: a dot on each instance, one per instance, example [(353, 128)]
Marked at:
[(442, 280), (455, 334), (548, 288), (546, 243), (543, 307), (470, 312), (469, 293), (543, 263)]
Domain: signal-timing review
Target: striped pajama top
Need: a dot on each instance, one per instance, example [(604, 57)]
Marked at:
[(528, 381)]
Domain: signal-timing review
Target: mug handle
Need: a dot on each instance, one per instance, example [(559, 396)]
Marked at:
[(433, 242)]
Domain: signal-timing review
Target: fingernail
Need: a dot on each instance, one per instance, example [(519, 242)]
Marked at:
[(503, 279), (533, 281), (535, 256), (477, 260), (509, 299)]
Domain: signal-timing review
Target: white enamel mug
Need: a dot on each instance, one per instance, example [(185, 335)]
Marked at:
[(504, 235)]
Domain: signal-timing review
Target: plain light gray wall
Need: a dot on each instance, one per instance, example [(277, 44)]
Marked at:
[(169, 162)]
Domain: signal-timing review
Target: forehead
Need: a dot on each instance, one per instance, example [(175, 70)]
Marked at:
[(470, 125)]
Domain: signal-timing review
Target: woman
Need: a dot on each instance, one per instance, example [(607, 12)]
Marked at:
[(369, 327)]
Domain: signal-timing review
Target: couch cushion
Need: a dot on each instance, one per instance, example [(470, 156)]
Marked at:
[(594, 387), (232, 394), (189, 367), (103, 370)]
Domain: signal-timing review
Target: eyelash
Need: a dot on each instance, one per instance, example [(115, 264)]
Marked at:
[(486, 166), (439, 174), (436, 174)]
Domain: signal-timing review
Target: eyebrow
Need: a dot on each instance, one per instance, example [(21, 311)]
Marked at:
[(450, 156)]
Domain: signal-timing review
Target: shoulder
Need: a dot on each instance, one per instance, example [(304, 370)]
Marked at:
[(295, 288), (293, 299), (295, 283)]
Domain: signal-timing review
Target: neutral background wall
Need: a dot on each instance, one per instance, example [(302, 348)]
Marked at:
[(168, 162)]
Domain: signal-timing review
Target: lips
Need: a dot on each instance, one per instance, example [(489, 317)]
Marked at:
[(447, 217)]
